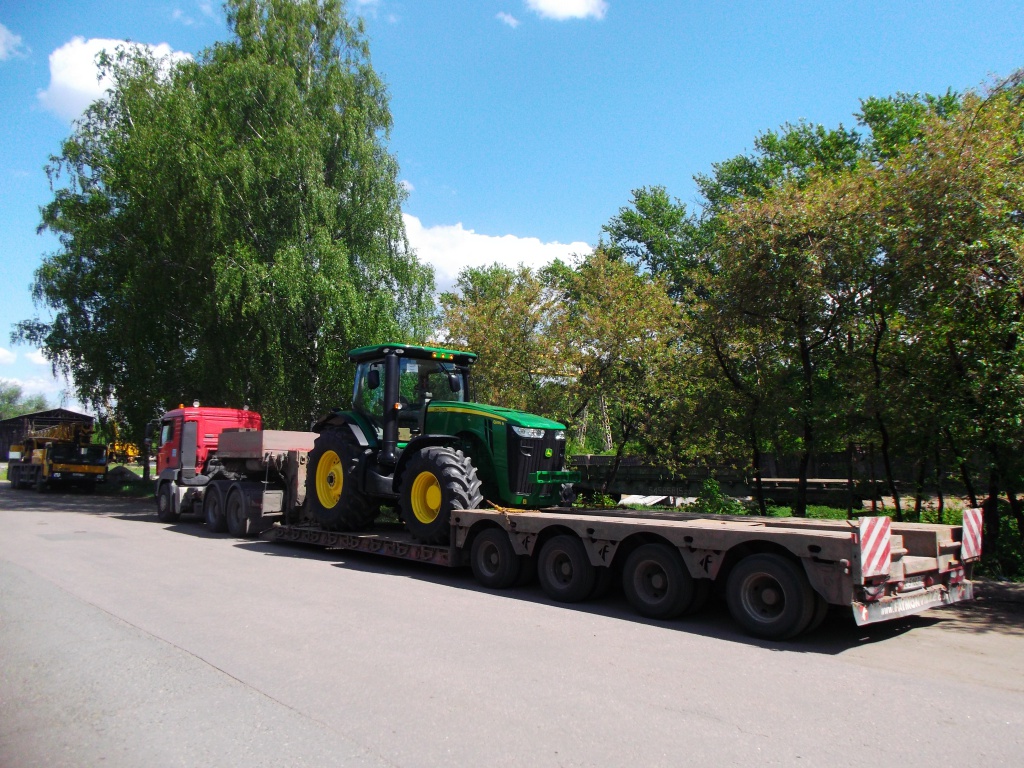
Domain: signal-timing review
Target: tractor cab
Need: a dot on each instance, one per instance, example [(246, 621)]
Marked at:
[(421, 376)]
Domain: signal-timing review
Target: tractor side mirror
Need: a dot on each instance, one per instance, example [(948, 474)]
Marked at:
[(373, 378), (454, 382)]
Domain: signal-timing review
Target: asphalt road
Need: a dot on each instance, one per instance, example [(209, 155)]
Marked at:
[(125, 642)]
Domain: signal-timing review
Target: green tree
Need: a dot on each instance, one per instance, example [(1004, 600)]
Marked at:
[(14, 402), (230, 227), (505, 315)]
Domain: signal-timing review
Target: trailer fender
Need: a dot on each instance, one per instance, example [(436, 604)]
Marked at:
[(827, 579)]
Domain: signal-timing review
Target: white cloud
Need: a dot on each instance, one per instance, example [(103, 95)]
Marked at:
[(36, 356), (508, 18), (207, 9), (7, 357), (407, 185), (568, 9), (73, 73), (184, 18), (451, 248), (10, 44)]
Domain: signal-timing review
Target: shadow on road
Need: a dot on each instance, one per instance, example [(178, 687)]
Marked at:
[(998, 608)]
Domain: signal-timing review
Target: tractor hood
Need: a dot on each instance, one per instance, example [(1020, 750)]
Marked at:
[(497, 413)]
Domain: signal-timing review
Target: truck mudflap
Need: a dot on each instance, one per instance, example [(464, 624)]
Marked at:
[(894, 606)]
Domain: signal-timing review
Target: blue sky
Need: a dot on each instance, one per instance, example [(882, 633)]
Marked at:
[(521, 126)]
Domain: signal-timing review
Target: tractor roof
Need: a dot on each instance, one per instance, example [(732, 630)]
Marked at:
[(418, 353)]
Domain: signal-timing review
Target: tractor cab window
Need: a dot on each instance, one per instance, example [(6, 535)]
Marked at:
[(368, 396), (420, 383), (425, 381)]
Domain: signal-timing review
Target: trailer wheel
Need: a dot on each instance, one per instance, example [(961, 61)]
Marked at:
[(564, 570), (332, 488), (239, 523), (770, 597), (657, 583), (820, 613), (436, 481), (165, 511), (213, 509), (495, 563)]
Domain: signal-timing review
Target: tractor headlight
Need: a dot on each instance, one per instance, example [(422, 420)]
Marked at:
[(529, 432), (559, 434)]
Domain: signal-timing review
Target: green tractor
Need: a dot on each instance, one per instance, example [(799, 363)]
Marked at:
[(413, 439)]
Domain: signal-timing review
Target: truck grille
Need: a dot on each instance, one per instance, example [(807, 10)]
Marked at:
[(526, 456)]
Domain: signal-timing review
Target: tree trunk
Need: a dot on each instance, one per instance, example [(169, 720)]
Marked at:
[(756, 460), (990, 514), (887, 463), (965, 470), (849, 481), (919, 488), (938, 485)]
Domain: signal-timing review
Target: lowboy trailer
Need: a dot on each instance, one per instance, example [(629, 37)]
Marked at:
[(780, 575)]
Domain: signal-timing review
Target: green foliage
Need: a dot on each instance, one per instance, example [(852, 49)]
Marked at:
[(711, 501), (14, 402), (231, 227)]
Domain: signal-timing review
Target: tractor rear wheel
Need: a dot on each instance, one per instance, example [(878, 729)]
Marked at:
[(436, 481), (332, 486)]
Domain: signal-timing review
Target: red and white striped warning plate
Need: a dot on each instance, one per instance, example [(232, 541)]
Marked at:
[(970, 546), (875, 548)]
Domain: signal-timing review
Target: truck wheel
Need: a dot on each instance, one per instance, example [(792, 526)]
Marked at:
[(657, 583), (213, 509), (495, 563), (770, 597), (565, 571), (165, 511), (436, 481), (332, 488), (40, 483), (239, 523)]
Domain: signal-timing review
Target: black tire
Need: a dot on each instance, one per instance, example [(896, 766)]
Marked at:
[(657, 583), (494, 562), (602, 584), (820, 613), (165, 511), (239, 523), (213, 509), (436, 481), (333, 489), (564, 569), (770, 597), (701, 594)]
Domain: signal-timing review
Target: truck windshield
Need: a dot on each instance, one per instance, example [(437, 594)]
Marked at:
[(68, 453)]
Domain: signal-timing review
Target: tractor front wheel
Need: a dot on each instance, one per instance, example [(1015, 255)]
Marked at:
[(332, 484), (436, 481)]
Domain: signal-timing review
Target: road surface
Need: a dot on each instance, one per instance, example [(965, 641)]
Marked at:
[(126, 642)]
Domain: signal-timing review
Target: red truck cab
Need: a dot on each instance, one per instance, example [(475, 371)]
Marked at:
[(189, 435)]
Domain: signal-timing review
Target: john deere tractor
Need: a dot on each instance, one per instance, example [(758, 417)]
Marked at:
[(413, 438)]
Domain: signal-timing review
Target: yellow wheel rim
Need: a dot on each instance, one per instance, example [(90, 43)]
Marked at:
[(426, 497), (329, 479)]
